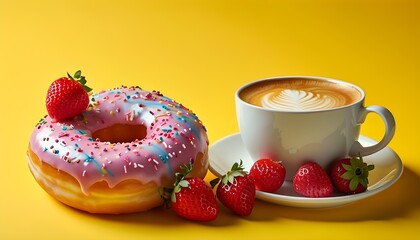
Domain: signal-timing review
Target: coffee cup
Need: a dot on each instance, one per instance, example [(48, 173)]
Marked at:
[(294, 119)]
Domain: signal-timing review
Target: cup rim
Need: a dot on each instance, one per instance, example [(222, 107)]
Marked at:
[(327, 79)]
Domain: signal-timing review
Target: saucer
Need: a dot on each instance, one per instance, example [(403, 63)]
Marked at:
[(388, 168)]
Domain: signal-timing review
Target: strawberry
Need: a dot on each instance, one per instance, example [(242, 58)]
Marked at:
[(268, 175), (192, 198), (350, 175), (236, 190), (311, 180), (67, 97)]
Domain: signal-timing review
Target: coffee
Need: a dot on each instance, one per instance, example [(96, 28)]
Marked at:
[(300, 94)]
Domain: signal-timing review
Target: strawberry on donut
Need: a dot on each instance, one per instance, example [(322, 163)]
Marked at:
[(116, 155)]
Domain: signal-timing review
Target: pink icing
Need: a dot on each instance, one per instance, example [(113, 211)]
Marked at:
[(174, 136)]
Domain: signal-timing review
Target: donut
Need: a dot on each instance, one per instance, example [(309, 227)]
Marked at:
[(118, 155)]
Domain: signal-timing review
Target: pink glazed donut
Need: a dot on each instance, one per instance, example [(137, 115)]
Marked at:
[(117, 156)]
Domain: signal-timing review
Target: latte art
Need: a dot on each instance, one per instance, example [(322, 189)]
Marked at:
[(300, 94), (289, 99)]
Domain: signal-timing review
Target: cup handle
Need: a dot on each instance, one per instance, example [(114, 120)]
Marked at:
[(357, 148)]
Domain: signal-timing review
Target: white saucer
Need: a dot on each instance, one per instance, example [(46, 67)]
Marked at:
[(388, 168)]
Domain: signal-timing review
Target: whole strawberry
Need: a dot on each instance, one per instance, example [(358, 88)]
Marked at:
[(350, 175), (311, 180), (192, 198), (236, 190), (67, 97), (268, 175)]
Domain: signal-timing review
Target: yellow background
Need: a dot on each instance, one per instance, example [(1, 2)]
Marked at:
[(199, 52)]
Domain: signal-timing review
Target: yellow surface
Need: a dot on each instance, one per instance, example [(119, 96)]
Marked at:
[(199, 52)]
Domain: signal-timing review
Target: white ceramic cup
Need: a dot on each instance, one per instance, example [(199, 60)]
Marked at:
[(294, 137)]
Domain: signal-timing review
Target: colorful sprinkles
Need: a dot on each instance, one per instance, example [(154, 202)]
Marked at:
[(174, 135)]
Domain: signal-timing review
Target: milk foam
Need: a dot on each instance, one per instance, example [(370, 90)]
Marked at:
[(300, 94), (293, 100)]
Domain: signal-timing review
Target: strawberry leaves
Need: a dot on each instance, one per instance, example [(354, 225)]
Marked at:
[(356, 173), (80, 79), (237, 170)]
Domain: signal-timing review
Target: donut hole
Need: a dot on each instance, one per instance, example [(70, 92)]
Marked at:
[(120, 133)]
